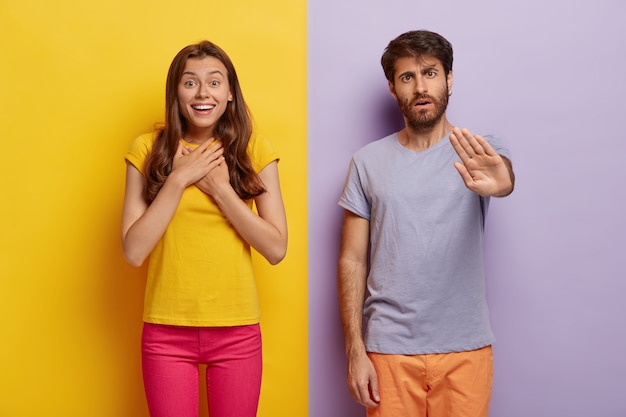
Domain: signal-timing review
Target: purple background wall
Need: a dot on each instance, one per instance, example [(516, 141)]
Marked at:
[(548, 78)]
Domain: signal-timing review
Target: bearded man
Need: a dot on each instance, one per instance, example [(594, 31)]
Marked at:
[(410, 275)]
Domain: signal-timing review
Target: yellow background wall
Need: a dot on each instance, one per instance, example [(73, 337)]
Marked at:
[(78, 81)]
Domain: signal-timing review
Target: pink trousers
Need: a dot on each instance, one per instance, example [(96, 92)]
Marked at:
[(170, 359)]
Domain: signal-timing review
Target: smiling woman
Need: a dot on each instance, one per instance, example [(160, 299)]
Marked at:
[(233, 130), (203, 95), (190, 189)]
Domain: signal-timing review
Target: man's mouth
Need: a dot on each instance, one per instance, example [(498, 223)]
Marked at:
[(422, 102)]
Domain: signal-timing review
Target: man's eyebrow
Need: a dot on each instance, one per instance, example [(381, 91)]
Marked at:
[(410, 72)]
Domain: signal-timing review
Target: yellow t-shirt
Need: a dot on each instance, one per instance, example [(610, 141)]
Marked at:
[(200, 272)]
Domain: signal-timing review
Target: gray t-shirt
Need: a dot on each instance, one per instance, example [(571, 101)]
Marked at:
[(425, 286)]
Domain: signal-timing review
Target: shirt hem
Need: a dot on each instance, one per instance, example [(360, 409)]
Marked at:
[(202, 323), (427, 350)]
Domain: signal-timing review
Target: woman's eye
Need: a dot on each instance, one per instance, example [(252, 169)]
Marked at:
[(189, 83), (215, 83)]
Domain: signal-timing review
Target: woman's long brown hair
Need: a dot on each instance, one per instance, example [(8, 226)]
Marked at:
[(233, 129)]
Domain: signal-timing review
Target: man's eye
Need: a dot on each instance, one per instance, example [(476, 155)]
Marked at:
[(406, 78)]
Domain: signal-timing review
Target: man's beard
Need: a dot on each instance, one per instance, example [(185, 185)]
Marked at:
[(421, 121)]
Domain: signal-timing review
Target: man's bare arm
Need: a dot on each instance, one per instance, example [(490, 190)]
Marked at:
[(351, 277)]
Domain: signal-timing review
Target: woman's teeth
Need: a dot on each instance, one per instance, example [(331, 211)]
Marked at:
[(203, 107)]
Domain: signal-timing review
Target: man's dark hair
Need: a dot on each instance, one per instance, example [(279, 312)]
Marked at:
[(417, 44)]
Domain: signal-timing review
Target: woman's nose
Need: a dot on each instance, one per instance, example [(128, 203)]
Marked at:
[(203, 90)]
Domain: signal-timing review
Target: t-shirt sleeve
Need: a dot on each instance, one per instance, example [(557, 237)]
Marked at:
[(138, 151), (498, 146), (354, 196), (261, 152)]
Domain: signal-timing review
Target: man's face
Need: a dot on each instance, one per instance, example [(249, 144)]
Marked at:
[(422, 89)]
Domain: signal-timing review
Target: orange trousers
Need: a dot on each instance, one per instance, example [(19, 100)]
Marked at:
[(435, 385)]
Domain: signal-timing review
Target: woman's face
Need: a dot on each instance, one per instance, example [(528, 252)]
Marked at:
[(203, 94)]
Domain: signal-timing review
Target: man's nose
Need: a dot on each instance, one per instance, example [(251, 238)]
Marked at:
[(420, 85)]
